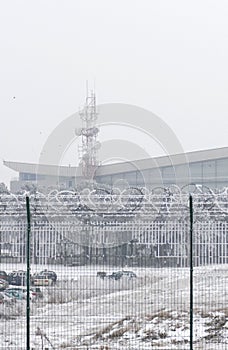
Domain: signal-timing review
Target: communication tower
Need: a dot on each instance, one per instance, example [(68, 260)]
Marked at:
[(88, 132)]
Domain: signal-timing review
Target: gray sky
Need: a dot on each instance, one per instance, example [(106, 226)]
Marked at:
[(166, 56)]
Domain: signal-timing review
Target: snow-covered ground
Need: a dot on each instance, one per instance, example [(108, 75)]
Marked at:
[(149, 312)]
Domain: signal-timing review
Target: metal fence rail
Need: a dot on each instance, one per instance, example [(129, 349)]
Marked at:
[(156, 242)]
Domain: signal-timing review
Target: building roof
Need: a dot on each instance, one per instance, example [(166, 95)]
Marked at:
[(42, 169), (162, 161)]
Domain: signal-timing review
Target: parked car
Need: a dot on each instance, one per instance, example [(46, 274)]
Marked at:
[(3, 284), (51, 274), (21, 293), (42, 280), (17, 278), (101, 274), (129, 274), (117, 275), (48, 274), (14, 293), (3, 275)]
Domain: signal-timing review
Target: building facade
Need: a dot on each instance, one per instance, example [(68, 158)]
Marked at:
[(206, 167)]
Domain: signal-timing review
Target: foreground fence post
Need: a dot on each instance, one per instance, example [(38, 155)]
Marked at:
[(28, 275), (191, 270)]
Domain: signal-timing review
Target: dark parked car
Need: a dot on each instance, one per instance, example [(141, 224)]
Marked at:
[(3, 275), (101, 274), (116, 275), (119, 274), (17, 278)]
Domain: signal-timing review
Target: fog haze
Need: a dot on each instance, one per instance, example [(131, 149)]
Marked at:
[(169, 57)]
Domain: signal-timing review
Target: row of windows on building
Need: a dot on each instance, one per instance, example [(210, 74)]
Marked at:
[(213, 173)]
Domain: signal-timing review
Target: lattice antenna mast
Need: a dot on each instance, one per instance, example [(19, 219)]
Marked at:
[(89, 133)]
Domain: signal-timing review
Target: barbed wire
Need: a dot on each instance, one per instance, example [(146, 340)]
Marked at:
[(103, 204), (107, 217)]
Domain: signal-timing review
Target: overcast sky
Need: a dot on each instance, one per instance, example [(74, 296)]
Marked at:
[(169, 57)]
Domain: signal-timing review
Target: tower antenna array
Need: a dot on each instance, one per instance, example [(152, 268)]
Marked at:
[(88, 133)]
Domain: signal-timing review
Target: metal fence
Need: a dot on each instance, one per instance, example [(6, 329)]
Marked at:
[(154, 245), (123, 265)]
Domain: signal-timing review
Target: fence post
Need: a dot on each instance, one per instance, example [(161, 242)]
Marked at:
[(191, 270), (28, 275)]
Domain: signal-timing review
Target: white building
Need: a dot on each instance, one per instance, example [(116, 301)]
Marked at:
[(205, 167)]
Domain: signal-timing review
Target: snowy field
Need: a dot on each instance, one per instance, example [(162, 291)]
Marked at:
[(151, 311)]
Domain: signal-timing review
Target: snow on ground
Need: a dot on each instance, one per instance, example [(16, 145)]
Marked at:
[(149, 312)]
